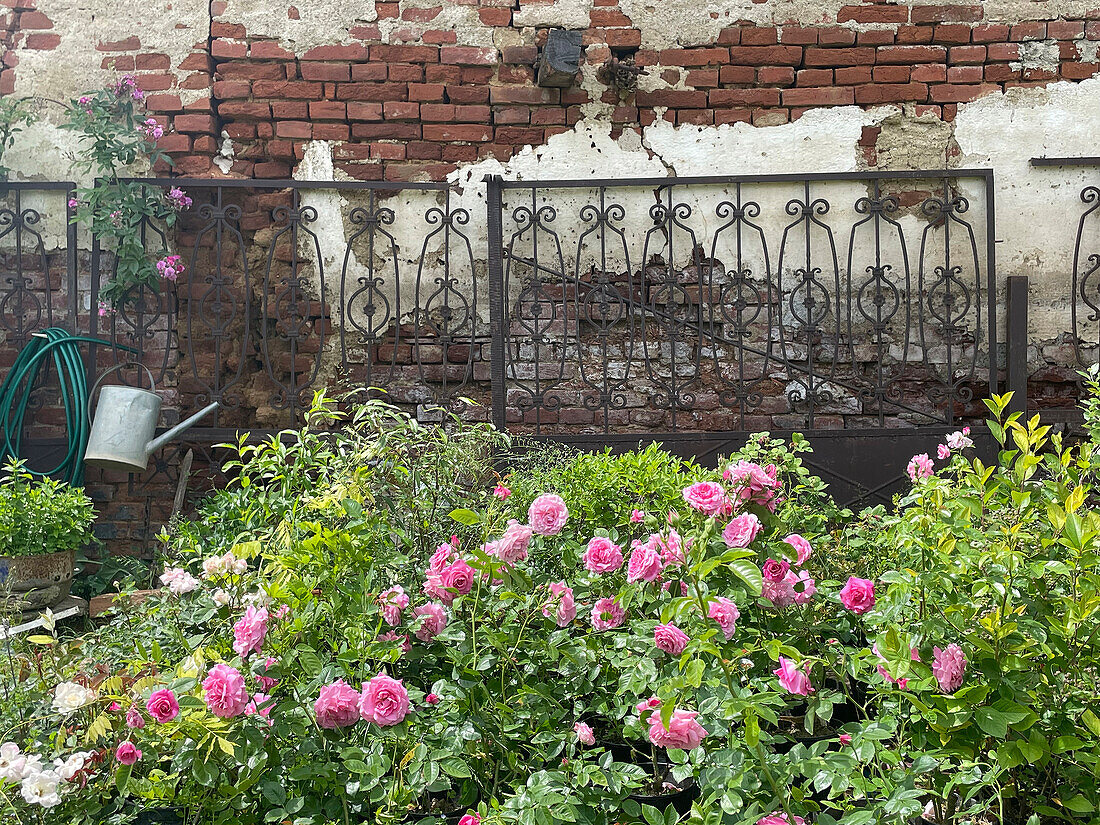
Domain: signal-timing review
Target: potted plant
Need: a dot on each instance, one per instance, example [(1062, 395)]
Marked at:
[(42, 523)]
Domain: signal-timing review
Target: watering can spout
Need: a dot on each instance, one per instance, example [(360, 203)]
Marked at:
[(159, 442)]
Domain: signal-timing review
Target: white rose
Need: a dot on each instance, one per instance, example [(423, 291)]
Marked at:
[(11, 762), (70, 767), (183, 583), (69, 697), (212, 567), (221, 598), (40, 788)]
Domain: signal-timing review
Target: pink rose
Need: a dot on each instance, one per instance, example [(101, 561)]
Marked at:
[(741, 531), (960, 440), (282, 612), (584, 733), (265, 682), (441, 557), (781, 593), (646, 705), (224, 691), (602, 555), (801, 548), (403, 638), (805, 593), (637, 516), (670, 639), (775, 571), (431, 699), (920, 466), (470, 819), (948, 667), (673, 549), (385, 701), (162, 705), (751, 483), (562, 608), (607, 613), (902, 683), (725, 614), (259, 705), (337, 705), (393, 601), (943, 452), (779, 819), (511, 547), (547, 514), (433, 621), (249, 631), (134, 719), (708, 497), (458, 576), (845, 738), (645, 563), (683, 731), (501, 492), (792, 679), (127, 753), (858, 595)]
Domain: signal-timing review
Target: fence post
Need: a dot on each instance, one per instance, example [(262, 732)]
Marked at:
[(1016, 342), (494, 206)]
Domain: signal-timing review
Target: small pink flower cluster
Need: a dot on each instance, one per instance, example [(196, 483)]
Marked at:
[(751, 483), (217, 566), (561, 608), (547, 514), (920, 466), (725, 614), (948, 667), (783, 586), (178, 581), (151, 129), (170, 267), (709, 498), (105, 309), (778, 818), (956, 442), (249, 631), (177, 199), (393, 600), (383, 701), (126, 86), (501, 492)]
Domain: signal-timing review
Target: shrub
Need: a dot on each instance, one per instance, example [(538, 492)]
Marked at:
[(41, 515)]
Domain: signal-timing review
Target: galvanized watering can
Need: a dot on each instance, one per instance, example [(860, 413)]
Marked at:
[(122, 436)]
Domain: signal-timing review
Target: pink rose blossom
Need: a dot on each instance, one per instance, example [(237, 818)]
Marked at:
[(134, 719), (858, 595), (801, 547), (442, 556), (501, 492), (708, 497), (561, 607), (265, 682), (778, 818), (920, 466), (162, 705), (249, 632), (948, 667), (960, 440), (752, 484), (903, 683), (511, 547), (431, 699), (637, 516), (224, 691), (683, 731), (670, 639), (725, 613), (259, 705), (602, 555), (646, 705), (781, 593), (943, 452), (393, 601), (645, 564), (742, 530), (673, 549), (845, 738), (470, 819), (607, 613), (337, 705), (775, 571), (403, 638), (384, 702), (434, 620), (792, 679), (805, 593), (584, 733), (547, 514), (458, 576), (127, 753)]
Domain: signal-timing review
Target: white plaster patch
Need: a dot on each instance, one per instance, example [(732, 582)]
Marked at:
[(318, 24), (1037, 54)]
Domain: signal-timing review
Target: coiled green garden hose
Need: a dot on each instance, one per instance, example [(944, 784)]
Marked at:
[(15, 396)]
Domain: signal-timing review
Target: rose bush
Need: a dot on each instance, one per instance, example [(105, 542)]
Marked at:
[(595, 639)]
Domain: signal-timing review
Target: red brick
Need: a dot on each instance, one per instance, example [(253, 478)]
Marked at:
[(42, 42), (913, 35), (152, 62), (815, 77), (1028, 31), (271, 170), (766, 55), (290, 110), (512, 115), (852, 75), (221, 29), (873, 14), (775, 75), (405, 72), (468, 55), (835, 36), (253, 111), (232, 49), (478, 114), (1092, 30), (738, 74), (523, 55), (729, 36), (519, 136), (1002, 52), (732, 116), (226, 89), (1057, 29), (702, 78), (875, 37), (858, 56), (911, 54), (1078, 71), (174, 143), (161, 82), (387, 151), (824, 96), (418, 150), (426, 92), (385, 53), (516, 74), (798, 36), (380, 92), (331, 131), (1000, 72), (891, 93), (394, 130), (265, 50), (128, 44), (327, 110), (364, 111), (946, 14), (891, 74), (952, 33), (194, 123), (608, 18), (163, 103), (33, 20), (966, 54), (437, 112), (694, 57), (367, 32), (291, 88), (400, 110), (114, 63), (476, 74), (522, 94), (458, 131), (731, 98), (989, 33), (965, 74), (361, 72), (672, 98), (469, 94), (929, 73), (543, 117), (961, 94), (325, 71), (619, 38)]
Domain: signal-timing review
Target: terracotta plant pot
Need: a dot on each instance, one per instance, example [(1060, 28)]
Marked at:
[(36, 582)]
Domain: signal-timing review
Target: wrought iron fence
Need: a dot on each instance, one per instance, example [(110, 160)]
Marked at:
[(734, 303)]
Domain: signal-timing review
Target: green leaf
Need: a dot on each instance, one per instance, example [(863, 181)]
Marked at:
[(752, 729), (1079, 804), (453, 766), (749, 573), (466, 517), (992, 721), (39, 639), (1091, 721)]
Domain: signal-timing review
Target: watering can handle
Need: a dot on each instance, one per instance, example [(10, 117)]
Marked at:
[(105, 373)]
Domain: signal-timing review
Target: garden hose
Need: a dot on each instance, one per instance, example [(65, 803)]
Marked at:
[(15, 397)]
